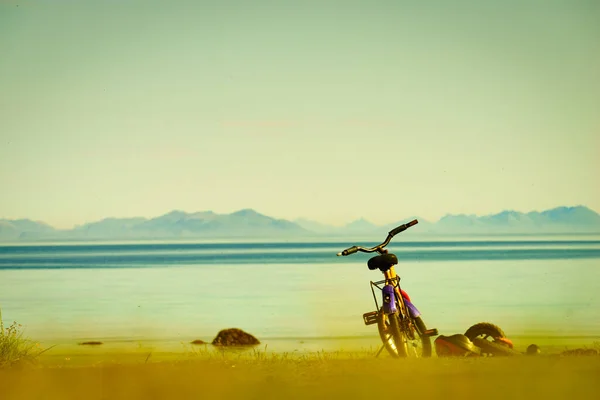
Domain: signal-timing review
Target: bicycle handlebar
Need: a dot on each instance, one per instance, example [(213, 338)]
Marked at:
[(391, 234)]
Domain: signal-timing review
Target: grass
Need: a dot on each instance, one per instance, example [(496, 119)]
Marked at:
[(15, 348), (211, 372), (319, 375), (258, 354)]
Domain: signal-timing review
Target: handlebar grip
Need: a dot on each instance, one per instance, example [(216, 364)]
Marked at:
[(350, 250), (403, 227)]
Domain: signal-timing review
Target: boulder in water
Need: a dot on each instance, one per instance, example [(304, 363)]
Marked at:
[(234, 337)]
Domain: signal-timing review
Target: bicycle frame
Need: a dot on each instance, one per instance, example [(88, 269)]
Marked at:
[(391, 294), (392, 280)]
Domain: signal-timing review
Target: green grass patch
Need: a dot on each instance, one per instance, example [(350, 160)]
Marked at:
[(15, 347)]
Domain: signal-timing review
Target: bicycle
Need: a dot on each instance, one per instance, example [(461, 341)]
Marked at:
[(399, 322)]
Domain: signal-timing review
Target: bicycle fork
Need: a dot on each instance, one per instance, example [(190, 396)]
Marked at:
[(389, 299), (394, 302)]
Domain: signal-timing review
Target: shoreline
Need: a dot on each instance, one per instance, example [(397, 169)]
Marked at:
[(137, 350)]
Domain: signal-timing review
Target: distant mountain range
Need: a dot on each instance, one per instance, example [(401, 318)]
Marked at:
[(249, 224)]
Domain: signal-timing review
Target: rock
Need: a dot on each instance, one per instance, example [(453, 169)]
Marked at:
[(198, 341), (533, 350), (90, 343), (234, 337)]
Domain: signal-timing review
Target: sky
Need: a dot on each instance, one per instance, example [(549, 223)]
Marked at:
[(326, 110)]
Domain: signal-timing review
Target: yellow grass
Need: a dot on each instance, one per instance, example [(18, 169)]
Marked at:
[(148, 371), (256, 374)]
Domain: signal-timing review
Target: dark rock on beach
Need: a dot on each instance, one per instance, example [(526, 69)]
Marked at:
[(198, 341), (234, 337), (533, 350), (90, 343)]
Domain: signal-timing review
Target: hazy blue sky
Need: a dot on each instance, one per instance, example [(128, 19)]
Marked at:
[(330, 110)]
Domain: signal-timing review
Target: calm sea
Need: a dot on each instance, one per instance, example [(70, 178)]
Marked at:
[(183, 291)]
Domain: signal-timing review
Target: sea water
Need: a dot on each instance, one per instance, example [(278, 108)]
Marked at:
[(177, 292)]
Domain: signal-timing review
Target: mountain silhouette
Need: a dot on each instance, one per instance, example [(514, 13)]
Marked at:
[(248, 223)]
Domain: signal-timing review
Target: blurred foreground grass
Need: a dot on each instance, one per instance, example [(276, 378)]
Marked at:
[(256, 374), (207, 372), (15, 347)]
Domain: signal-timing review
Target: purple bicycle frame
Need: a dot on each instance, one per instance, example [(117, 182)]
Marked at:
[(389, 302)]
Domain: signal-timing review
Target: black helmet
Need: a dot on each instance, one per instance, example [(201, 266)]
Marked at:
[(455, 345)]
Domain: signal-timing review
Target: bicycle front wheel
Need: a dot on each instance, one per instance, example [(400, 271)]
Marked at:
[(392, 334)]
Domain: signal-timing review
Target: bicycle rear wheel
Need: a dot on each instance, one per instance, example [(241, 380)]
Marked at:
[(420, 346)]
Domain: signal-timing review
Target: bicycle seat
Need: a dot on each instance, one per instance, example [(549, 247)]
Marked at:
[(383, 262)]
